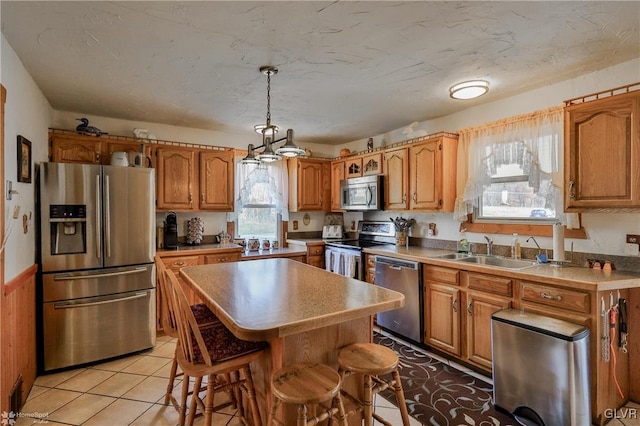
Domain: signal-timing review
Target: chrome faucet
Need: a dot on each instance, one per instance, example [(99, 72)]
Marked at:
[(537, 245), (489, 246)]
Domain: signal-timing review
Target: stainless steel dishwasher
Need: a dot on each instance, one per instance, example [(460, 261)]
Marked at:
[(402, 276)]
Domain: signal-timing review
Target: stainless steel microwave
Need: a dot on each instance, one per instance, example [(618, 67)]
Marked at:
[(362, 194)]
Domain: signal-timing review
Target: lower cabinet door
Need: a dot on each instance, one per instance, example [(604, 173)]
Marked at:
[(478, 311), (442, 318)]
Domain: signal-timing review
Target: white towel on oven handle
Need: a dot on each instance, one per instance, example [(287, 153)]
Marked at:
[(349, 265), (337, 261), (328, 260)]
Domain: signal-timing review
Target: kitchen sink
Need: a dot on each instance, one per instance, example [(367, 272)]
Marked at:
[(499, 262), (454, 256)]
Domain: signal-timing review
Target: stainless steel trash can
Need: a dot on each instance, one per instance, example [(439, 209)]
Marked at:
[(540, 368)]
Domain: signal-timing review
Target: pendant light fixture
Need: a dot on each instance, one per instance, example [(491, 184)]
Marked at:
[(268, 131)]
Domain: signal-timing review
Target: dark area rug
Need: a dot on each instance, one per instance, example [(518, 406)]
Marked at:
[(440, 395)]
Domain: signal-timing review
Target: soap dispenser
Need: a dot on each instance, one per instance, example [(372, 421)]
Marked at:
[(463, 243)]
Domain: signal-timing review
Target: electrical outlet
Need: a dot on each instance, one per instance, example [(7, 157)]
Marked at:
[(633, 239)]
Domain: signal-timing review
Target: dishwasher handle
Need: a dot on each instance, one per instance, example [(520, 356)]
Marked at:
[(396, 264)]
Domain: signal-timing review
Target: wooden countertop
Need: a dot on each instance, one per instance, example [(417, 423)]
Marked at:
[(271, 298), (577, 277)]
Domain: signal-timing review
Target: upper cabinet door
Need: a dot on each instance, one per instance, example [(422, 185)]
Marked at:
[(396, 171), (176, 178), (216, 180), (309, 185), (337, 174), (75, 149), (353, 167), (425, 180), (602, 154), (372, 164)]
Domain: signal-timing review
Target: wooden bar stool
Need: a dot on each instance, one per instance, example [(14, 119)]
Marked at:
[(305, 384), (373, 360)]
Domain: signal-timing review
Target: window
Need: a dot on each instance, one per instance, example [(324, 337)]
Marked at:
[(508, 170), (516, 189), (258, 216), (261, 200)]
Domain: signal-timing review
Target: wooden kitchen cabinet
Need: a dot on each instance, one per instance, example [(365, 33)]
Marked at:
[(337, 174), (216, 180), (372, 164), (478, 310), (353, 167), (75, 149), (66, 147), (370, 268), (396, 182), (309, 185), (442, 325), (174, 264), (602, 154), (315, 255), (432, 174), (191, 179), (176, 178)]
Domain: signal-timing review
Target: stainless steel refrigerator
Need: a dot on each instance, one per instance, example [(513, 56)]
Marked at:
[(97, 242)]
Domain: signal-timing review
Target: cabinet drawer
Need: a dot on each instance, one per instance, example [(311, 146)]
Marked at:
[(317, 261), (490, 284), (221, 258), (176, 263), (437, 273), (315, 250), (558, 297)]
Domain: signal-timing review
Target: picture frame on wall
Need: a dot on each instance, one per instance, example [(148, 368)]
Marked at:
[(24, 159)]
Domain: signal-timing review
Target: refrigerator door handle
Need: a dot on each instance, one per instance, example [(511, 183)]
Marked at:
[(98, 226), (107, 215), (102, 302), (83, 276)]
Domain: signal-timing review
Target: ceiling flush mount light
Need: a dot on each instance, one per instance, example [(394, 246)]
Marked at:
[(268, 131), (469, 89)]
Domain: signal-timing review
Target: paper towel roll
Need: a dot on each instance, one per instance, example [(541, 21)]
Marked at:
[(558, 242)]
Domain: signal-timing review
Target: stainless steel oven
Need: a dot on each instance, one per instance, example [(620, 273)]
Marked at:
[(345, 257)]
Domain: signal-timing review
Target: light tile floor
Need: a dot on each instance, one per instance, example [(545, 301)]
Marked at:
[(125, 391), (130, 391)]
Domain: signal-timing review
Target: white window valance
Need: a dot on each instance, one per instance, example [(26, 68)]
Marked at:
[(274, 180), (533, 141)]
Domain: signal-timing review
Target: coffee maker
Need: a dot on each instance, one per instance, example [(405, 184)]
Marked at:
[(171, 231)]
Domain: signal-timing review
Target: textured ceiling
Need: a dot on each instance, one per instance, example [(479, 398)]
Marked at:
[(348, 70)]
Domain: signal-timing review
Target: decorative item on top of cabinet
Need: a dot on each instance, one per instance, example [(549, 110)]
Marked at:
[(602, 151), (309, 185)]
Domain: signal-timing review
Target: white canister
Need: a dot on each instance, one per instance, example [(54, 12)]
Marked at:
[(120, 158)]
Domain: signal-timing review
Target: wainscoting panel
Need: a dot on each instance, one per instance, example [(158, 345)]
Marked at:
[(18, 335)]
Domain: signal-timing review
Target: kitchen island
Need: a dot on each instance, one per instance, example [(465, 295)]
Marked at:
[(305, 313)]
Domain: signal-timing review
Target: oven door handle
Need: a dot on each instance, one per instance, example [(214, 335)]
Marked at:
[(70, 305)]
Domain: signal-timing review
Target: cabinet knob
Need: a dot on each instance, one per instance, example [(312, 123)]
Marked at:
[(469, 310), (404, 197), (190, 198), (202, 197), (572, 185), (415, 197), (454, 305), (182, 262)]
